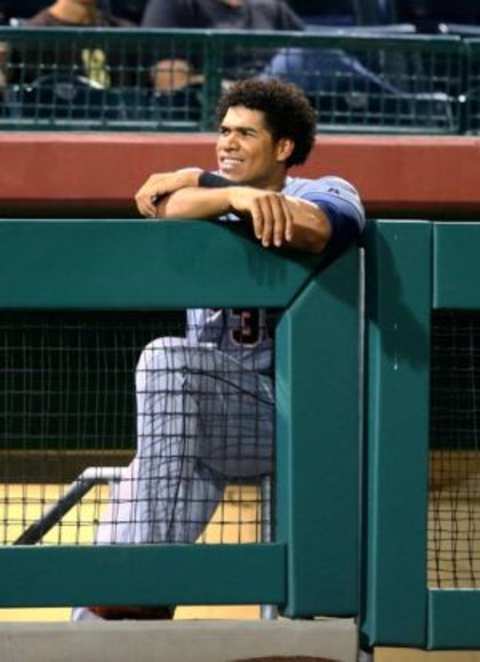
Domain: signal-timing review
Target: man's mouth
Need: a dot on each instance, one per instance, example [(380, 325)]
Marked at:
[(230, 162)]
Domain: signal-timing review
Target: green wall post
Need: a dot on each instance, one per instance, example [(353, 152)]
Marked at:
[(394, 602), (317, 440)]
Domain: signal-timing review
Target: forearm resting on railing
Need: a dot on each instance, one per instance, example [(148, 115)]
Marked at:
[(277, 219)]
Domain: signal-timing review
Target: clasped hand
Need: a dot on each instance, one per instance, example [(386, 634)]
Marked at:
[(161, 184), (270, 212)]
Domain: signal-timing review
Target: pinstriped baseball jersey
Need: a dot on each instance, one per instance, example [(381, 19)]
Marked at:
[(247, 330)]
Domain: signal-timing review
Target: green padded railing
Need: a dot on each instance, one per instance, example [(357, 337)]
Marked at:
[(66, 78), (99, 266)]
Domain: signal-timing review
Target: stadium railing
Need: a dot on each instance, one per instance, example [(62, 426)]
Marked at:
[(471, 98), (79, 300), (357, 81), (421, 504)]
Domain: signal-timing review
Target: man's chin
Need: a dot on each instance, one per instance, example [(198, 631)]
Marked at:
[(233, 177), (236, 178)]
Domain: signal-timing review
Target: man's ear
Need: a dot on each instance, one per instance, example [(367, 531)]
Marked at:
[(284, 149)]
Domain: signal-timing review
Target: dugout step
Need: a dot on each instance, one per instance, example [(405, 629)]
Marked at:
[(178, 641)]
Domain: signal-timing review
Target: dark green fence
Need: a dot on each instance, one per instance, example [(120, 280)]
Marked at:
[(420, 471), (171, 79), (422, 507)]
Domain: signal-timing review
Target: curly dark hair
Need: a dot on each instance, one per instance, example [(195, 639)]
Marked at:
[(288, 113)]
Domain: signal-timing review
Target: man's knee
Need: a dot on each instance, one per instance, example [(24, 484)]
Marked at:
[(162, 360), (161, 353)]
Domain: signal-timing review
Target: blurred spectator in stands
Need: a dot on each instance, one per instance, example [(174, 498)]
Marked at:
[(75, 13), (13, 9), (339, 13), (4, 49), (93, 64), (129, 9), (228, 14), (176, 73), (431, 15), (53, 76), (330, 71)]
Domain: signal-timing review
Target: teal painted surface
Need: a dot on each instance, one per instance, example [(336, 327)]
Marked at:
[(126, 574), (98, 265), (142, 265), (453, 619), (317, 441), (397, 433), (456, 265)]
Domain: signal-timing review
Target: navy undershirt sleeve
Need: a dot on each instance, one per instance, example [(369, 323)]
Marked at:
[(345, 223), (211, 180)]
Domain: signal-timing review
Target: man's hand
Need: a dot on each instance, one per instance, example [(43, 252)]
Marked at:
[(271, 214), (161, 184)]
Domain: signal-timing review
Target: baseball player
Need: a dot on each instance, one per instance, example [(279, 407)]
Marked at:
[(205, 403)]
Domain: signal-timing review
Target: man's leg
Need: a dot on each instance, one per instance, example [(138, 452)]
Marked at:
[(197, 410)]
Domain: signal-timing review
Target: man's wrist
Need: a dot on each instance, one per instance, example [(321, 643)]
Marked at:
[(211, 180)]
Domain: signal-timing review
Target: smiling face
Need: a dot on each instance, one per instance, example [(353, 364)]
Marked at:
[(247, 152)]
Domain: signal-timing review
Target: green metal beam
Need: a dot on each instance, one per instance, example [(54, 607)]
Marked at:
[(453, 617), (137, 574), (456, 265), (143, 265), (317, 441), (398, 290)]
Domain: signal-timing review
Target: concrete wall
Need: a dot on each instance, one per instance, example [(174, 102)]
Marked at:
[(74, 174)]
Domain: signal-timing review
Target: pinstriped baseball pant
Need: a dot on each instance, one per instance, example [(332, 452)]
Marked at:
[(202, 419)]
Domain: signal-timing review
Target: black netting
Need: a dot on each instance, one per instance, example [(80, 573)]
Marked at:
[(135, 427), (454, 504), (62, 79)]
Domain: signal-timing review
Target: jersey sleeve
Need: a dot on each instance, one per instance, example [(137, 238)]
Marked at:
[(341, 203)]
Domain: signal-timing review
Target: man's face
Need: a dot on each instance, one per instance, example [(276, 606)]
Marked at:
[(246, 151)]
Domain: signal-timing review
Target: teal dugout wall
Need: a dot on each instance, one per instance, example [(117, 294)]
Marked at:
[(312, 567), (413, 268)]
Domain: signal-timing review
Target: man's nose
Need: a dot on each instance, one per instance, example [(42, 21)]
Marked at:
[(231, 141)]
